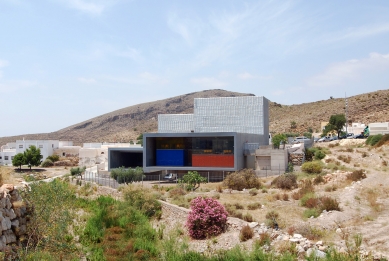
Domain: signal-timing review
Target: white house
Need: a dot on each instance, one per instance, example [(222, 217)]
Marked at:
[(47, 147)]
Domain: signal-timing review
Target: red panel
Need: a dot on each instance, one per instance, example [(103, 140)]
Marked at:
[(212, 160)]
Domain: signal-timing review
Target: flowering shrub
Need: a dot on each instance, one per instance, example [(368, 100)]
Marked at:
[(208, 218)]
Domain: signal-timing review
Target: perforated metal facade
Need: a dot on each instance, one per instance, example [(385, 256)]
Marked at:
[(175, 123), (248, 114)]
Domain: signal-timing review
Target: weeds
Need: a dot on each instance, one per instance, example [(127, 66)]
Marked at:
[(246, 233)]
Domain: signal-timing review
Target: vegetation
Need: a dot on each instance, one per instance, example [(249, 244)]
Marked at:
[(47, 163), (53, 158), (18, 160), (77, 171), (285, 181), (208, 218), (192, 180), (314, 167), (127, 175), (356, 175), (278, 139), (139, 139), (336, 123), (50, 205), (246, 233), (244, 179), (32, 156)]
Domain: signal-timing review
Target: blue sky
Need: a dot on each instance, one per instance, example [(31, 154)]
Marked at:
[(65, 61)]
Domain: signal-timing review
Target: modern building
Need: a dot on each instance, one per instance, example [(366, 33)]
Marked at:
[(213, 138)]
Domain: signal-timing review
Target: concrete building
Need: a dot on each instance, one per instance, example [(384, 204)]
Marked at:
[(213, 138)]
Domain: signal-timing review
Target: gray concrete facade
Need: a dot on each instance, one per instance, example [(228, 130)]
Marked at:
[(124, 156)]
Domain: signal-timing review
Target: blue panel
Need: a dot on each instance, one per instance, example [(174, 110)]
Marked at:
[(170, 157)]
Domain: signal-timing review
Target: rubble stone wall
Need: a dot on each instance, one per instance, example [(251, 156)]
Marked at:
[(13, 217)]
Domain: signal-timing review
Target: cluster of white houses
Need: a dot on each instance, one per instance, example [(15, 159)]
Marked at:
[(223, 134)]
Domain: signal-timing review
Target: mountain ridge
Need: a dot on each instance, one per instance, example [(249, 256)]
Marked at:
[(126, 124)]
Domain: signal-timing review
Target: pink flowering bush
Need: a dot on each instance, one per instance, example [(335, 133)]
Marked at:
[(208, 218)]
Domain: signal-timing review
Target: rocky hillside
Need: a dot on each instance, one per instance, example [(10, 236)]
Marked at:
[(126, 124)]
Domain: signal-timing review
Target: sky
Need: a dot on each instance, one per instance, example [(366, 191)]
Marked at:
[(66, 61)]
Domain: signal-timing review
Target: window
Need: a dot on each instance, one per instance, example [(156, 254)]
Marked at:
[(52, 145), (12, 157), (5, 157), (41, 146), (0, 157), (63, 154), (20, 146)]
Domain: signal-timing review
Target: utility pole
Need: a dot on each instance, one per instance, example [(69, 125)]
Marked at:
[(345, 97)]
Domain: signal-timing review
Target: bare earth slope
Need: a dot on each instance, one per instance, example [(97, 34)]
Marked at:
[(126, 124)]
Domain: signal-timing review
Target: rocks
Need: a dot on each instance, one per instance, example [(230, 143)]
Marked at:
[(316, 253), (253, 224)]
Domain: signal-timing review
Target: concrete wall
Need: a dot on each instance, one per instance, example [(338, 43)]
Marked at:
[(379, 128), (270, 161), (71, 151)]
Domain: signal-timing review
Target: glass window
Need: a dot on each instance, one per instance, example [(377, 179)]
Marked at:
[(20, 146), (5, 157)]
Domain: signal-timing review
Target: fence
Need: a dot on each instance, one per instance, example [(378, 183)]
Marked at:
[(104, 179)]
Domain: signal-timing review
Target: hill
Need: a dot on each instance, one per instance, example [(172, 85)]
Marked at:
[(126, 124)]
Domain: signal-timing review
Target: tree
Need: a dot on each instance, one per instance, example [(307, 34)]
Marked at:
[(77, 171), (336, 123), (123, 175), (18, 160), (32, 156), (293, 125), (277, 139), (140, 139), (193, 180)]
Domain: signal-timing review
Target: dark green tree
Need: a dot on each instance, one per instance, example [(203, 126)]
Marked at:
[(18, 160), (277, 139), (336, 123), (32, 156), (123, 175)]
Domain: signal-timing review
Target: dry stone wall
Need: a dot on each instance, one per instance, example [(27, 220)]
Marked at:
[(13, 217)]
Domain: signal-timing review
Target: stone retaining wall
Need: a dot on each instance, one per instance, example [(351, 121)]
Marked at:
[(13, 219)]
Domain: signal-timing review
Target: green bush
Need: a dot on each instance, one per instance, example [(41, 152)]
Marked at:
[(53, 158), (373, 139), (312, 167), (311, 212), (319, 155), (47, 163), (253, 192)]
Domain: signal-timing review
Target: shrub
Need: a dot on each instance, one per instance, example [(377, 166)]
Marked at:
[(53, 158), (285, 181), (330, 188), (309, 200), (285, 197), (253, 192), (272, 219), (312, 167), (47, 163), (219, 189), (193, 180), (253, 206), (216, 196), (207, 218), (245, 178), (373, 139), (248, 217), (177, 192), (328, 203), (309, 232), (345, 159), (311, 212), (143, 200), (356, 175), (246, 233), (383, 140), (238, 206), (264, 239), (319, 179), (319, 155)]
